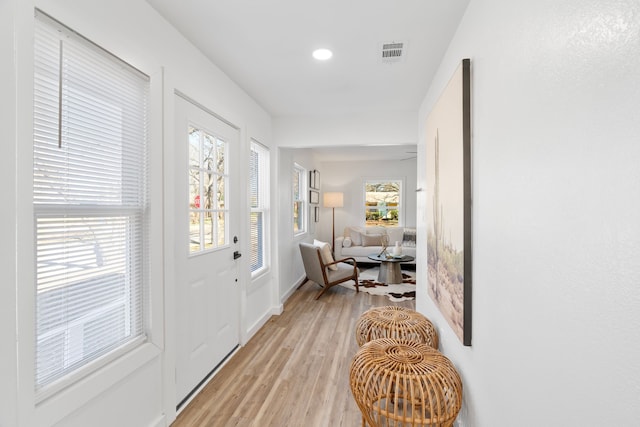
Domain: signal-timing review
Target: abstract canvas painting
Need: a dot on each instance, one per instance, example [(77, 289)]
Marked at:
[(448, 136)]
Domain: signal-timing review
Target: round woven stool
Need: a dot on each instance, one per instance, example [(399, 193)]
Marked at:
[(395, 322), (405, 383)]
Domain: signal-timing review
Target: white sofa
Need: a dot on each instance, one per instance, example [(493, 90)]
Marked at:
[(359, 242)]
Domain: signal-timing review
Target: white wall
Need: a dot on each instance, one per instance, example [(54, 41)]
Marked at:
[(349, 177), (375, 128), (556, 237), (289, 259), (137, 389)]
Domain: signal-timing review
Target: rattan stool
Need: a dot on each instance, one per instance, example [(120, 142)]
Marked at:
[(405, 383), (395, 322)]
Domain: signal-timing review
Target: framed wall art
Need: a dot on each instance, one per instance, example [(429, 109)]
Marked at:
[(314, 197), (448, 137), (314, 179)]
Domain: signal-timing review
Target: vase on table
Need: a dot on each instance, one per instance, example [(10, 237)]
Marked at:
[(397, 250)]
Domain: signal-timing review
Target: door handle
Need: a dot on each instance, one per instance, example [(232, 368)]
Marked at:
[(236, 255)]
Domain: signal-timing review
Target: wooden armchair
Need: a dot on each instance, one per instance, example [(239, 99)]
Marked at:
[(319, 272)]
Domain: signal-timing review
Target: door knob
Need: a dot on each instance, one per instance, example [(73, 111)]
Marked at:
[(236, 255)]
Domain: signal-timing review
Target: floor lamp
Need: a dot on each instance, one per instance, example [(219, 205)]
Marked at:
[(333, 201)]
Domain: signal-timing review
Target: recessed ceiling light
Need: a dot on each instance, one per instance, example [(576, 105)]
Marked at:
[(322, 54)]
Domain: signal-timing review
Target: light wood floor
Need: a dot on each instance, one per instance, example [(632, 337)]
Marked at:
[(294, 371)]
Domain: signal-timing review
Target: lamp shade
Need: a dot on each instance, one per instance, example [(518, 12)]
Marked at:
[(333, 200)]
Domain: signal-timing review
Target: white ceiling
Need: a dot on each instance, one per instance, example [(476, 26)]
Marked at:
[(266, 46)]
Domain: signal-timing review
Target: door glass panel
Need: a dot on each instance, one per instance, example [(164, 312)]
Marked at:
[(222, 223), (208, 231), (208, 188), (221, 157), (194, 147), (194, 231), (220, 192), (208, 191), (209, 154), (194, 189)]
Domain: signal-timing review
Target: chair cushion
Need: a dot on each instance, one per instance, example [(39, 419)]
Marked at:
[(325, 252), (342, 271)]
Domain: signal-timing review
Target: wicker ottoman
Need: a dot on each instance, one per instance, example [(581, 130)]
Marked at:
[(395, 322), (405, 383)]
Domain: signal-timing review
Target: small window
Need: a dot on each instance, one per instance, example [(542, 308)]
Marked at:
[(259, 200), (383, 205), (299, 200), (208, 186)]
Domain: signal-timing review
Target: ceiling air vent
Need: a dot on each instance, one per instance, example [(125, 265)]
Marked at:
[(393, 52)]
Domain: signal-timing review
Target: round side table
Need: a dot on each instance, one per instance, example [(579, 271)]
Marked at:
[(395, 322), (400, 382)]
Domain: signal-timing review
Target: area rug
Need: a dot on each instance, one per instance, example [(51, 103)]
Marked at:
[(394, 291)]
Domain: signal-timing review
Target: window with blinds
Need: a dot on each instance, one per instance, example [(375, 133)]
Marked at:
[(90, 205), (299, 200), (259, 200)]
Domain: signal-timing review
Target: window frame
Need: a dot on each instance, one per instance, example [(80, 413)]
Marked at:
[(301, 200), (262, 204), (399, 207), (76, 206)]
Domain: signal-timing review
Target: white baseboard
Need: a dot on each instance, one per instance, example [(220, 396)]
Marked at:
[(161, 421), (292, 289), (277, 311), (257, 325)]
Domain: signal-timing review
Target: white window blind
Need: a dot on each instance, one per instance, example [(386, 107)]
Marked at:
[(259, 198), (90, 204), (299, 200)]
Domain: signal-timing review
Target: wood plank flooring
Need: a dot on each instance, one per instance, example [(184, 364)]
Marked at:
[(294, 371)]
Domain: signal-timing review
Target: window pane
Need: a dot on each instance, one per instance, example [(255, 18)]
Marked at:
[(254, 173), (208, 230), (194, 231), (194, 147), (256, 240), (208, 191), (382, 203), (298, 217), (194, 189), (208, 154), (296, 184), (222, 236), (259, 196), (221, 192), (221, 157)]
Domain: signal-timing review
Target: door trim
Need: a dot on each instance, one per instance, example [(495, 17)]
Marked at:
[(203, 108)]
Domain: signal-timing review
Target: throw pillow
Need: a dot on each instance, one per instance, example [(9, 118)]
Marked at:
[(409, 237), (346, 243), (325, 252), (371, 240), (395, 235), (355, 237)]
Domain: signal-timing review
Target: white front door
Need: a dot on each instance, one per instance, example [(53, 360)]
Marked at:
[(206, 212)]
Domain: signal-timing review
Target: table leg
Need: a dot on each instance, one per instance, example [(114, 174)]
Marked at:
[(390, 272)]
